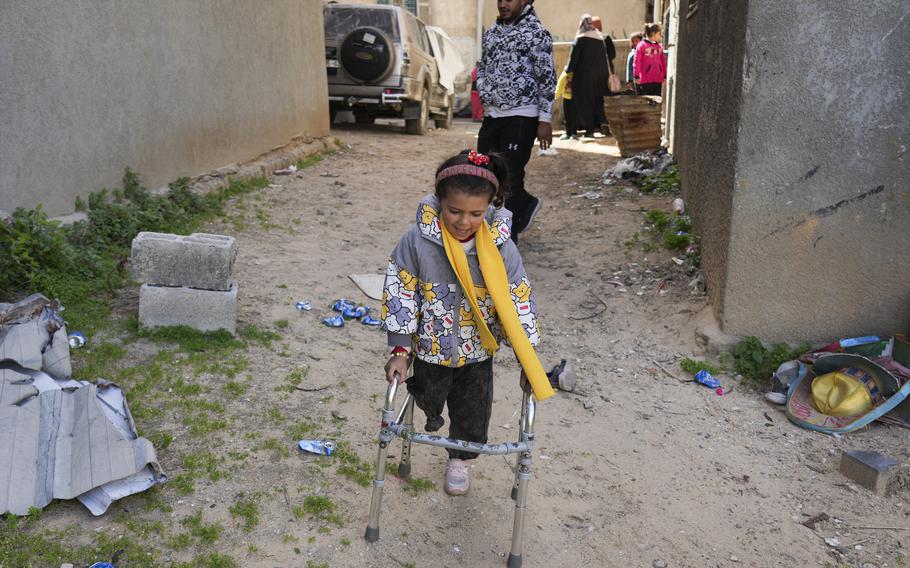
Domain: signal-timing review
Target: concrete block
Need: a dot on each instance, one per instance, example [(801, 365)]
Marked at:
[(205, 310), (196, 261), (872, 470)]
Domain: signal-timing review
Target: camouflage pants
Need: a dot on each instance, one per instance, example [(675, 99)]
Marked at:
[(468, 393)]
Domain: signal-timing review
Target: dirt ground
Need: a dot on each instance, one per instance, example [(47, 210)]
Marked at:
[(634, 469)]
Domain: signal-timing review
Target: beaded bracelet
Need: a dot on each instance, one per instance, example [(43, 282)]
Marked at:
[(400, 354)]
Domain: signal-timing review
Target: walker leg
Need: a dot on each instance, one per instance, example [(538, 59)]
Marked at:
[(385, 436), (372, 532), (404, 467), (523, 476), (521, 428)]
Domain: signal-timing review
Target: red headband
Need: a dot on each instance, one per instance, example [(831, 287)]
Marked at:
[(471, 169)]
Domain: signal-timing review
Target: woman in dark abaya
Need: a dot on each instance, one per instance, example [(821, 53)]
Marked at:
[(589, 67)]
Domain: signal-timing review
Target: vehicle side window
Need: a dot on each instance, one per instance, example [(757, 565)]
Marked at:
[(424, 40), (414, 32)]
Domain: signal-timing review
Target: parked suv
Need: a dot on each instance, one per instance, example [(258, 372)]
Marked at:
[(380, 63)]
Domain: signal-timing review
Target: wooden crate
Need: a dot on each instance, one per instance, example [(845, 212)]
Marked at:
[(635, 122)]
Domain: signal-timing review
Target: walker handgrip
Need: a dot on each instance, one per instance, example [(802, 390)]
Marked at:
[(391, 392)]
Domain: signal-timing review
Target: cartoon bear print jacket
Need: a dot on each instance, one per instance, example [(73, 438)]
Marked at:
[(423, 306)]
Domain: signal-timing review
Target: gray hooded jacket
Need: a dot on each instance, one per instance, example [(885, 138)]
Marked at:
[(423, 306)]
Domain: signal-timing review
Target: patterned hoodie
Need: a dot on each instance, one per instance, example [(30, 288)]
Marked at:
[(515, 76), (424, 307)]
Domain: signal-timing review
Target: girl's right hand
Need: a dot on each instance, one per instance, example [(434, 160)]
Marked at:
[(397, 365)]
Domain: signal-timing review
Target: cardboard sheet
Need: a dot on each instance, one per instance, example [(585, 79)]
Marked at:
[(61, 438), (369, 284)]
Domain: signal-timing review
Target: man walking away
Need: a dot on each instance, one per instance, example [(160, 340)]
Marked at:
[(517, 81)]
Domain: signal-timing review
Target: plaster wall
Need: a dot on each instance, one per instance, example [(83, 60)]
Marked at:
[(708, 92), (167, 88), (819, 240)]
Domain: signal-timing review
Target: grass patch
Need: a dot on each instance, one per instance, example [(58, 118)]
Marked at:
[(351, 466), (280, 448), (693, 366), (189, 340), (210, 560), (416, 485), (205, 533), (322, 509), (246, 510), (83, 262), (203, 462), (234, 389), (309, 161), (261, 336), (666, 183)]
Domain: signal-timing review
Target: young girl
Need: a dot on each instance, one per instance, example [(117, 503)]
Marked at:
[(454, 283), (650, 63)]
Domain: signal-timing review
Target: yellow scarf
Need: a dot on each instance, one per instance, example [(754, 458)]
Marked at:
[(497, 283)]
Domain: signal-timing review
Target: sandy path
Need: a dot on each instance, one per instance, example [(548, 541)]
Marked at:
[(633, 469)]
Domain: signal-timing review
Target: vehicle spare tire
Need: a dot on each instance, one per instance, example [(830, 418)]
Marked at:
[(367, 55)]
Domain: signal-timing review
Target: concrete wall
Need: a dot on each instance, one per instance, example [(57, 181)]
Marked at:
[(167, 88), (621, 18), (792, 139)]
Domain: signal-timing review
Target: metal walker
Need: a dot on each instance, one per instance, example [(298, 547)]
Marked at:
[(402, 426)]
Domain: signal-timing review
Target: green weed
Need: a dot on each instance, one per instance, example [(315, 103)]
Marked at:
[(756, 363), (246, 510), (351, 466), (205, 533), (693, 366), (666, 183)]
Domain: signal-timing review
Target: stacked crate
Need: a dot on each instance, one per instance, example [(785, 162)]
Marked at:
[(186, 280)]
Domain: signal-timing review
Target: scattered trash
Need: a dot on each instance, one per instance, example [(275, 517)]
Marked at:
[(286, 171), (303, 306), (640, 165), (678, 261), (319, 447), (45, 415), (342, 304), (562, 376), (371, 321), (833, 541), (819, 518), (551, 151), (679, 206), (705, 378), (76, 340), (101, 565), (355, 312), (592, 195), (334, 321)]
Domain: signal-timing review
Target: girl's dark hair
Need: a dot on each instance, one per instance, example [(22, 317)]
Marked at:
[(651, 29), (475, 185)]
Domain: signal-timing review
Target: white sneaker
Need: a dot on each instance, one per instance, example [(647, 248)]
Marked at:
[(458, 477)]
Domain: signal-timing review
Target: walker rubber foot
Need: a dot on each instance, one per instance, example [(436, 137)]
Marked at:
[(404, 470), (372, 535), (514, 494), (514, 561)]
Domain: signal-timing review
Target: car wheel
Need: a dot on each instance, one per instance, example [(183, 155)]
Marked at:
[(419, 125), (450, 113)]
